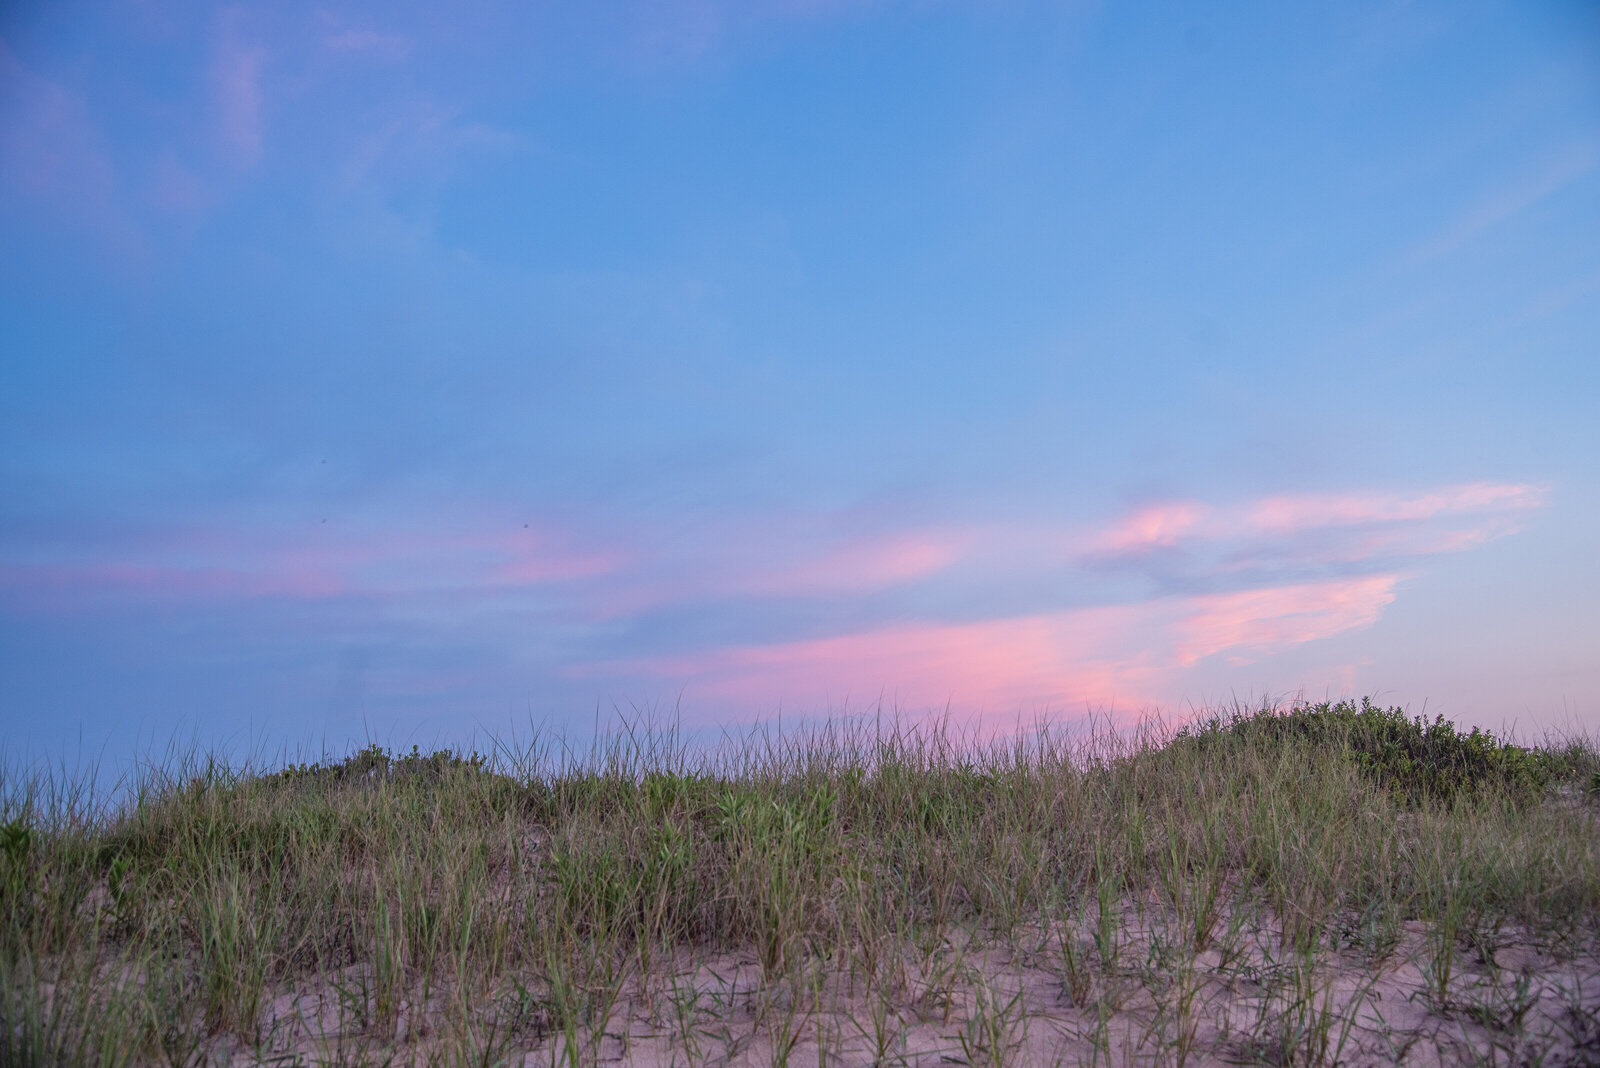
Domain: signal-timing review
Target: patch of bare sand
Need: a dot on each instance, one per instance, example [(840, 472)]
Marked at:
[(1138, 994)]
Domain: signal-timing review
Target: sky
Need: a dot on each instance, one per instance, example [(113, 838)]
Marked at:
[(410, 372)]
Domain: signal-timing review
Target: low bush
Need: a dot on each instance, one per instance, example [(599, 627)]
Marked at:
[(376, 764), (1415, 760)]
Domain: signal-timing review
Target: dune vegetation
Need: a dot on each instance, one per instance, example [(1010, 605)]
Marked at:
[(1319, 885)]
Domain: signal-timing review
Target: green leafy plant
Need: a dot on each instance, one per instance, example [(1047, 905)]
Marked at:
[(1414, 759)]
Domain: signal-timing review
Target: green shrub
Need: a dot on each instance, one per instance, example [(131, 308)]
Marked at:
[(1412, 758), (374, 764)]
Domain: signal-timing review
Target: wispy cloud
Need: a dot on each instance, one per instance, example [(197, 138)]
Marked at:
[(658, 36), (352, 40), (314, 564), (1311, 527), (813, 562), (66, 587), (176, 188), (661, 34), (917, 616), (1572, 162), (1260, 621), (1001, 665), (1158, 526), (237, 63), (53, 152), (423, 142), (1293, 513), (1124, 655), (46, 138), (860, 565), (1282, 571)]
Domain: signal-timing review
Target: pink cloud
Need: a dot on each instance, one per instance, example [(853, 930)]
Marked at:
[(46, 138), (1288, 514), (52, 152), (663, 34), (236, 91), (1158, 526), (791, 557), (219, 564), (1266, 620), (482, 561), (1425, 541), (776, 558), (537, 558), (862, 565), (1572, 162), (658, 35), (1001, 665), (422, 138), (368, 42), (1393, 523), (1128, 655)]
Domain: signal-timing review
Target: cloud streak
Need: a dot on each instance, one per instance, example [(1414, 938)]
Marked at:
[(1290, 514), (1173, 524), (203, 565), (1566, 167), (1286, 570), (1111, 655), (1267, 620), (850, 615), (1159, 526), (236, 68), (998, 664)]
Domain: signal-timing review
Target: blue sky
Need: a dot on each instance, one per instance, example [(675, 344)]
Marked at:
[(406, 370)]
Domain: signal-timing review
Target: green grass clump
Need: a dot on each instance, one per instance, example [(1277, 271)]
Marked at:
[(448, 908)]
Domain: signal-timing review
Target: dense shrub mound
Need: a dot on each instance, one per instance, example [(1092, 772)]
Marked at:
[(1415, 760), (375, 764)]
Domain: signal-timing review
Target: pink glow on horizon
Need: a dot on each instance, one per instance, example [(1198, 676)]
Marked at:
[(1066, 658), (1096, 657), (1112, 655)]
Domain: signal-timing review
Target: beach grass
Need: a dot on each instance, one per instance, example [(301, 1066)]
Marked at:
[(1316, 885)]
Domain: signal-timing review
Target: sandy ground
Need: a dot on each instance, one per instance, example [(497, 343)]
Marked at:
[(1509, 998)]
